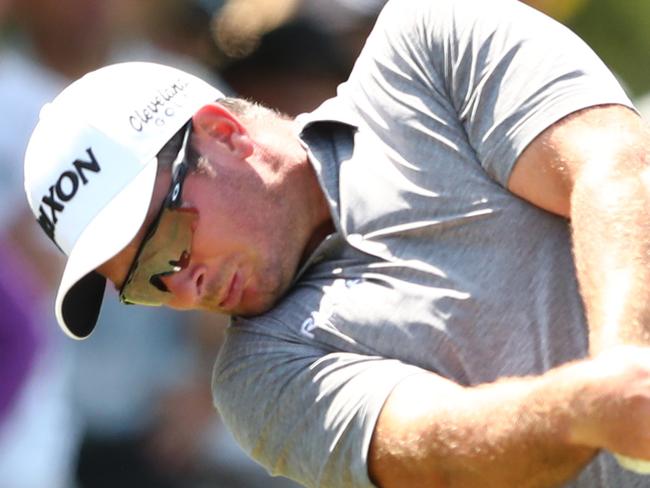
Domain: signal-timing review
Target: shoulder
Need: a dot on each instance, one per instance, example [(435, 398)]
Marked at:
[(254, 346)]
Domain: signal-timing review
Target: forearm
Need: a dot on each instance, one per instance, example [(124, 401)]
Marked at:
[(610, 214), (517, 432)]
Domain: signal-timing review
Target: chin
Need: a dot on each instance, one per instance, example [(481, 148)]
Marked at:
[(257, 298), (258, 303), (257, 308), (248, 307)]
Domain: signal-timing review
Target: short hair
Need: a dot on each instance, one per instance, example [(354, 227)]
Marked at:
[(243, 108), (249, 109)]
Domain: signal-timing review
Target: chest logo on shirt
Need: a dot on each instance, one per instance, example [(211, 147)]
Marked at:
[(319, 318), (309, 325)]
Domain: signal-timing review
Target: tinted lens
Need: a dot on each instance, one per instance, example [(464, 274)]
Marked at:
[(166, 251)]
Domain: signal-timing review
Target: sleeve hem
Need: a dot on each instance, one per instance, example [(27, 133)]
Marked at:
[(514, 144)]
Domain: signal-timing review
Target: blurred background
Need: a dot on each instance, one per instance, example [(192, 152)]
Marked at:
[(131, 406)]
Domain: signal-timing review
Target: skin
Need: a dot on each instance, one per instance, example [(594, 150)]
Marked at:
[(591, 168), (259, 214)]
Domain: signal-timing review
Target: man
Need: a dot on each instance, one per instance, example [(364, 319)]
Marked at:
[(407, 307)]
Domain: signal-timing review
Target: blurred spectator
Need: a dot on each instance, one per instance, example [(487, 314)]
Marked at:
[(18, 336), (68, 37), (240, 24), (143, 397), (341, 15), (302, 49), (38, 435), (294, 68), (349, 21), (175, 32)]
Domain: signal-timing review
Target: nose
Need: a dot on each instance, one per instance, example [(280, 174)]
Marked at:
[(186, 287)]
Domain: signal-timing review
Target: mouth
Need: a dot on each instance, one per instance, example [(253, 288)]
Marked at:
[(233, 293)]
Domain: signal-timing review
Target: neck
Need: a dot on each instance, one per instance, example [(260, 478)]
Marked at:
[(318, 236), (321, 223)]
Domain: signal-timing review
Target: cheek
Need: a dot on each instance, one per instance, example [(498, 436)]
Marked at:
[(222, 240), (234, 218)]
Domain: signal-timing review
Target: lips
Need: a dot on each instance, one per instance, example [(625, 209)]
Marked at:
[(233, 293)]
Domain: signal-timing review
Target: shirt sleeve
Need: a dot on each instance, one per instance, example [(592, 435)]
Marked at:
[(500, 69), (517, 72), (302, 412)]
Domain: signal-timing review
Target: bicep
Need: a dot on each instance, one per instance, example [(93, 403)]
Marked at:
[(398, 433), (583, 145), (434, 433)]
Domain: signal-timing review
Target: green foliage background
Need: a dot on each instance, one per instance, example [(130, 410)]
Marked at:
[(619, 31)]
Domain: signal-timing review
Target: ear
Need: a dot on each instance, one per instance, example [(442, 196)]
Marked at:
[(218, 123)]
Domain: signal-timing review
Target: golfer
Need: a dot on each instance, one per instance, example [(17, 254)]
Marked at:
[(438, 278)]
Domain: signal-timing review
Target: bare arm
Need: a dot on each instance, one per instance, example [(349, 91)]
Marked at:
[(536, 432), (433, 433), (594, 167)]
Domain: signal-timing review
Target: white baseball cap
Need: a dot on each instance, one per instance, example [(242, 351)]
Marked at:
[(90, 169)]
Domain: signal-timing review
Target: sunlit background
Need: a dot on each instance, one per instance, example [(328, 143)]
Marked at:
[(131, 406)]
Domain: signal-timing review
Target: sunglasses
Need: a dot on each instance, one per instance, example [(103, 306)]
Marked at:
[(165, 250)]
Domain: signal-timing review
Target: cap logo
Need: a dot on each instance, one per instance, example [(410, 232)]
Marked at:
[(158, 108), (63, 191)]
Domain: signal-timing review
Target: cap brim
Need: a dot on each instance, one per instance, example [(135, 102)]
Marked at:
[(81, 290)]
